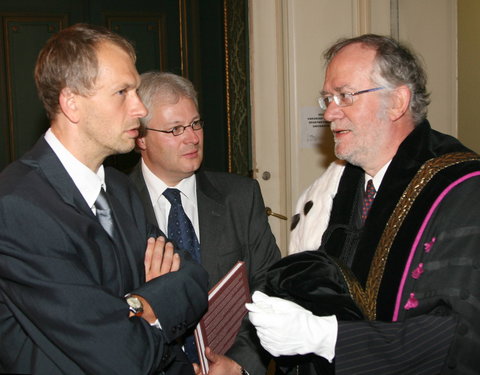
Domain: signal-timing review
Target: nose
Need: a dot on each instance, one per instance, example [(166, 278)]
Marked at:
[(333, 112), (191, 136), (138, 108)]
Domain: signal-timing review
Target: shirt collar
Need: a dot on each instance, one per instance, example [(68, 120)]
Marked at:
[(88, 182), (156, 187), (377, 179)]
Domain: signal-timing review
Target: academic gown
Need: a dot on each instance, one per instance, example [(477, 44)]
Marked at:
[(405, 284)]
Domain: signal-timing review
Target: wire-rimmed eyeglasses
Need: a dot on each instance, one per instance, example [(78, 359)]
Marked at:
[(180, 129), (343, 99)]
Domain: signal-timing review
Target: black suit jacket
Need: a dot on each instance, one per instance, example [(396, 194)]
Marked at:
[(233, 226), (62, 279)]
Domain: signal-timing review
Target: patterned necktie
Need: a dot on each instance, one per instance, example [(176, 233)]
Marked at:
[(104, 213), (181, 232), (368, 199), (180, 228)]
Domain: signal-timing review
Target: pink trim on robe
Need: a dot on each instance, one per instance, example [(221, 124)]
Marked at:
[(419, 236)]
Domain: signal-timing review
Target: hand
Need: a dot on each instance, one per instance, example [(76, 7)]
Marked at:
[(196, 369), (218, 365), (285, 328), (160, 258)]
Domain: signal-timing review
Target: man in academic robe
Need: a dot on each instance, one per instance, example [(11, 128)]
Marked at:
[(393, 286)]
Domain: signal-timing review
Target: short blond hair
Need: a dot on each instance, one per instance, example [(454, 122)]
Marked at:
[(69, 59)]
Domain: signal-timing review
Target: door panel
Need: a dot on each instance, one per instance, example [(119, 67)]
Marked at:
[(24, 37), (181, 36), (148, 34)]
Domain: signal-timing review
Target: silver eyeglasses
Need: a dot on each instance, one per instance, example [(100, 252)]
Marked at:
[(180, 129), (343, 99)]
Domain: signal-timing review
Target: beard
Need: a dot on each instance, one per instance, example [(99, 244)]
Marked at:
[(366, 143)]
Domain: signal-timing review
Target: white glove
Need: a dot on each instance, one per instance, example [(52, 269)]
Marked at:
[(285, 328)]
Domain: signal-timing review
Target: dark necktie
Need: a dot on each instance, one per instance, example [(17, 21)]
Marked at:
[(182, 233), (180, 228), (368, 199), (104, 213)]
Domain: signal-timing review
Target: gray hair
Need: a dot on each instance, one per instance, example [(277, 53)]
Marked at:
[(166, 87), (396, 65)]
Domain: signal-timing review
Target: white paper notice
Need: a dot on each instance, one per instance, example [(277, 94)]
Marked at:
[(314, 127)]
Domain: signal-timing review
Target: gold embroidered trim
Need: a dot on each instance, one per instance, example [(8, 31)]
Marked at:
[(366, 299)]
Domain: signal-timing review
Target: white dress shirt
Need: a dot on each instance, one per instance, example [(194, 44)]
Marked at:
[(377, 179), (88, 182), (161, 205)]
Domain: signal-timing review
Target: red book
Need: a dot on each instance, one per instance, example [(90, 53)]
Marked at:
[(226, 308)]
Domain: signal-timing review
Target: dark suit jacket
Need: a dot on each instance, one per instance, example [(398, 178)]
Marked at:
[(62, 279), (233, 226)]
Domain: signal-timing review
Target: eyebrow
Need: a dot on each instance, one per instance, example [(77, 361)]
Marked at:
[(178, 122), (336, 89), (125, 86)]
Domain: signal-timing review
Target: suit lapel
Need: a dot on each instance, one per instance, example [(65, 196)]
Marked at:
[(137, 177), (47, 163), (211, 215), (211, 211), (127, 229)]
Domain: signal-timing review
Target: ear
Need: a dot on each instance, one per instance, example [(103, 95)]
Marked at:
[(400, 102), (68, 105), (141, 143)]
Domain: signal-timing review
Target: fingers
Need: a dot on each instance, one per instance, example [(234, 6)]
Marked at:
[(259, 319), (197, 369), (262, 302), (153, 257), (165, 258), (258, 296), (148, 256), (176, 262), (253, 307), (220, 364), (160, 258), (211, 355)]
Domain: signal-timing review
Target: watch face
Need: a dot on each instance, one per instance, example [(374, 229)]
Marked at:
[(134, 302), (135, 305)]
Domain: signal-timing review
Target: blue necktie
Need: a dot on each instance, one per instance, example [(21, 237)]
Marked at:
[(182, 233), (180, 228)]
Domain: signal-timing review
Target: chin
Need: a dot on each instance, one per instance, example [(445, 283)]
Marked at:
[(125, 149), (192, 170)]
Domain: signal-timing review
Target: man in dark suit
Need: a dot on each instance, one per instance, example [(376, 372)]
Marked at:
[(81, 289), (394, 284), (226, 211)]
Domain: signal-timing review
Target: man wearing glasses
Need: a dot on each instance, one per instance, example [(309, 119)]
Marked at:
[(389, 281), (224, 214)]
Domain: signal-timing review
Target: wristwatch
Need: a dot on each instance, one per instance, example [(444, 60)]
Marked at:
[(135, 305)]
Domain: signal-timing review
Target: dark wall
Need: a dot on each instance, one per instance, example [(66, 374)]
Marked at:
[(182, 36)]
